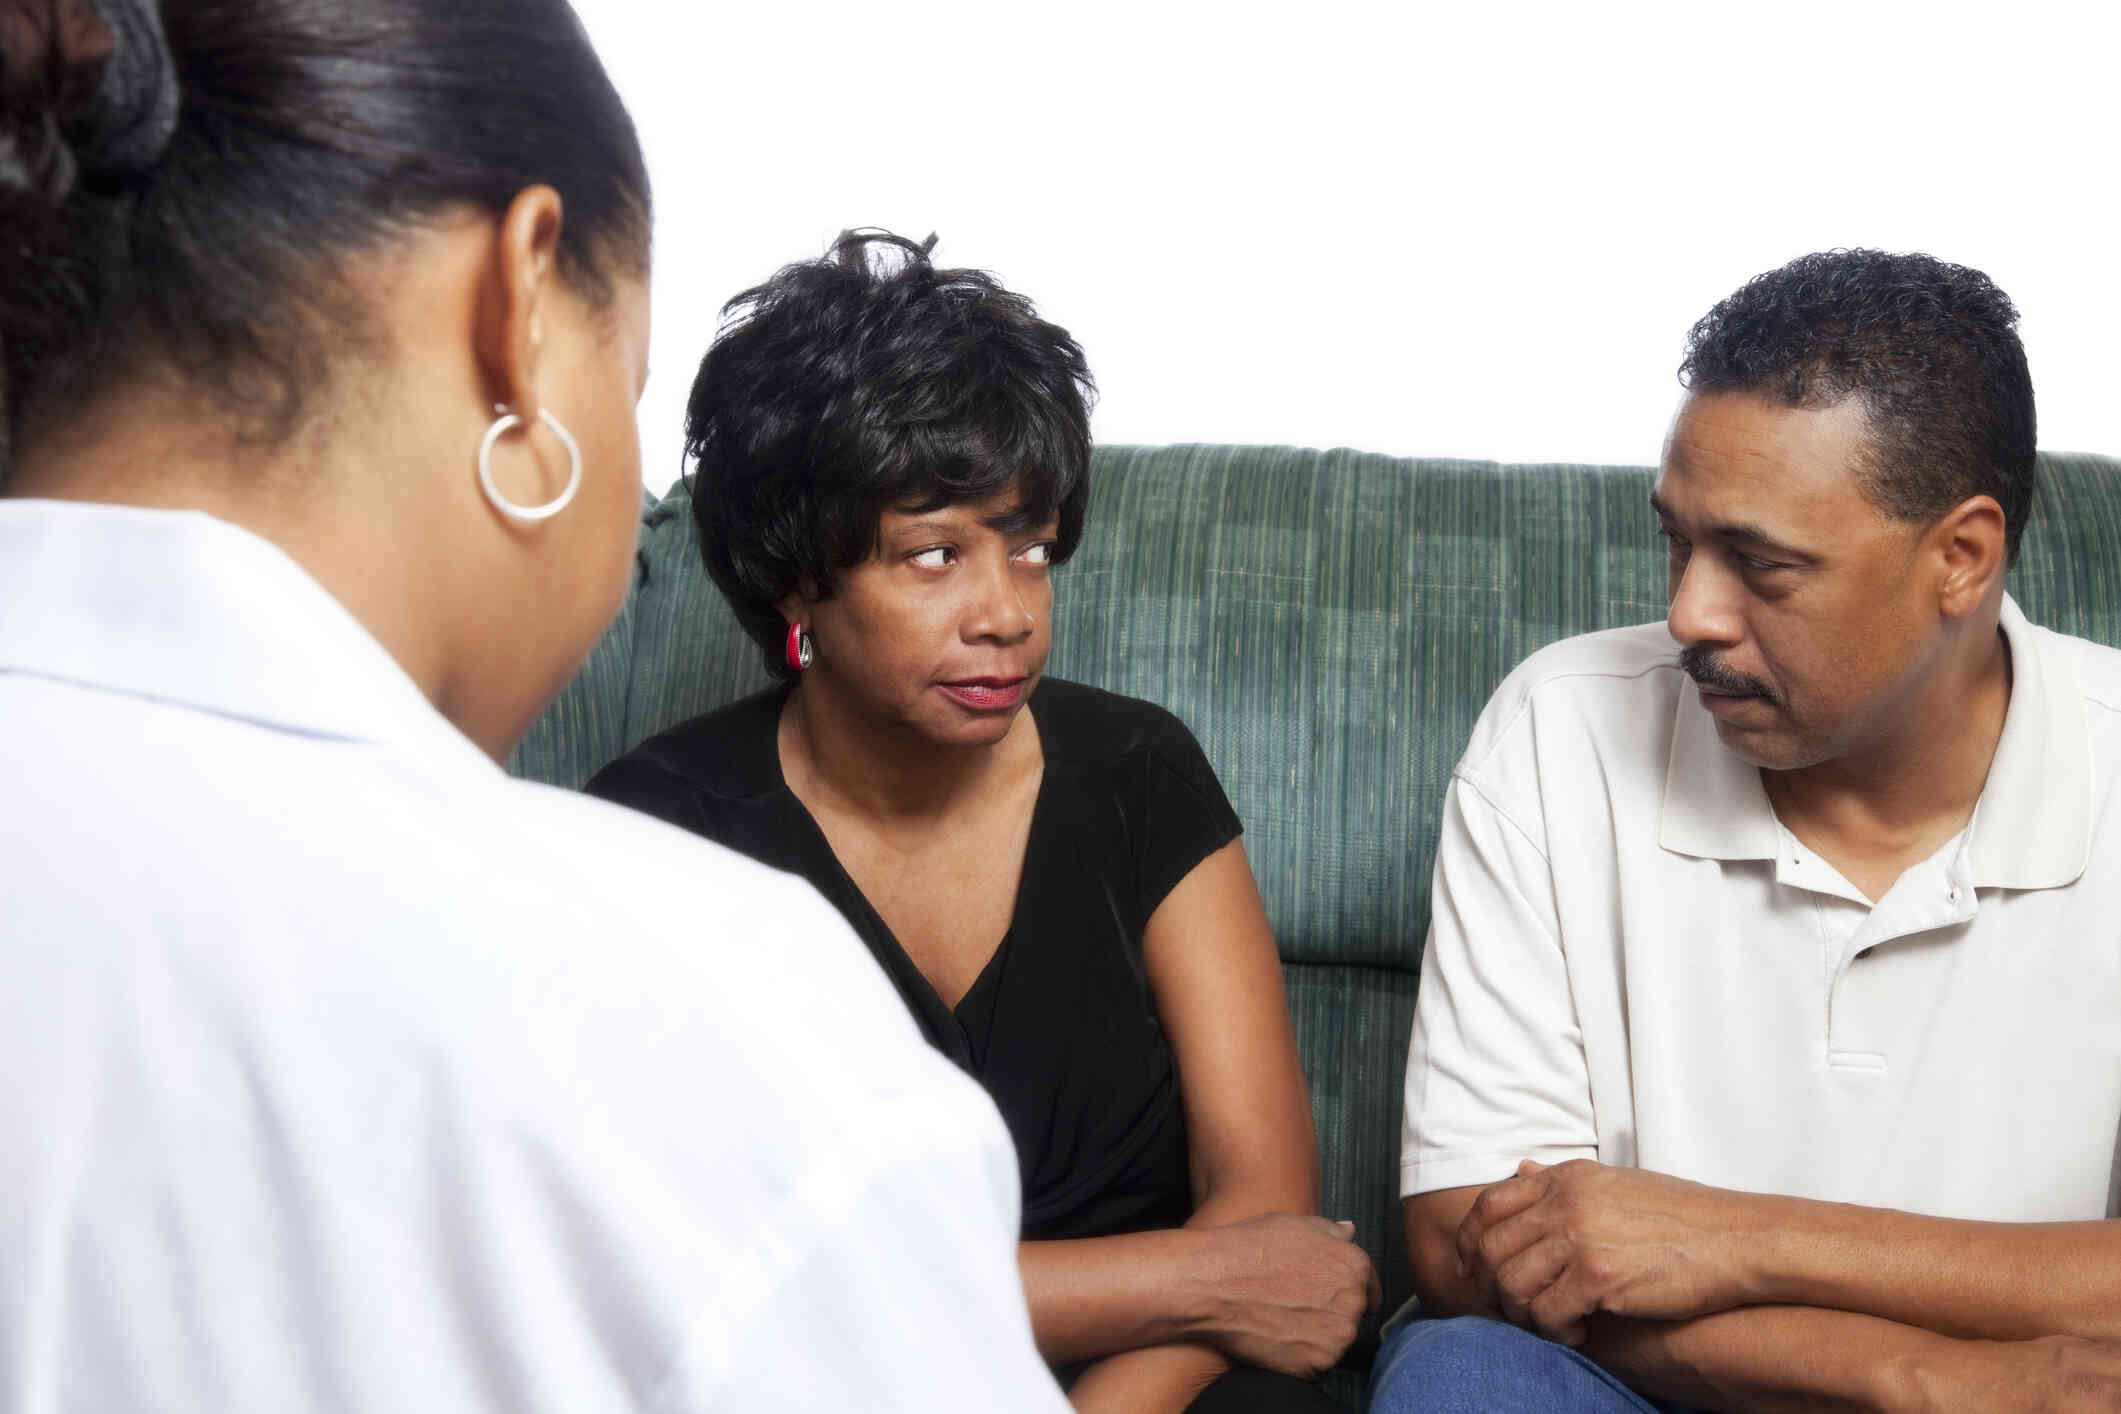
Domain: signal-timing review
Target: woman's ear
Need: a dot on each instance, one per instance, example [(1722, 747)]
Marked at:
[(516, 289)]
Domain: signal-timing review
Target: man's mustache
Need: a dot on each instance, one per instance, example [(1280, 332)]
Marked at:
[(1710, 672)]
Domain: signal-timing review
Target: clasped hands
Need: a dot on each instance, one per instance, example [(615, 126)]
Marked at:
[(1556, 1245)]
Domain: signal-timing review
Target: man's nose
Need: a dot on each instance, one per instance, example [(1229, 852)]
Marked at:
[(1704, 607)]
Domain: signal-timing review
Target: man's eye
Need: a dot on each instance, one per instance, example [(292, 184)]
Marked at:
[(934, 558), (1039, 554)]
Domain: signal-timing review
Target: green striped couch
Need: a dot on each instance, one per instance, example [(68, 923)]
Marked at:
[(1329, 624)]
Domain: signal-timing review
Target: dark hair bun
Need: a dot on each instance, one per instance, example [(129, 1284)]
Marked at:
[(214, 246), (87, 87)]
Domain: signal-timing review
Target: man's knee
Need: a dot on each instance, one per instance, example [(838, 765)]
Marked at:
[(1472, 1365)]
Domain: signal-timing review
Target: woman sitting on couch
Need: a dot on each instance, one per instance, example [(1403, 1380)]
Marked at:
[(890, 460)]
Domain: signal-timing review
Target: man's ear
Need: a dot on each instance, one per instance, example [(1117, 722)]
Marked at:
[(516, 288), (1971, 538)]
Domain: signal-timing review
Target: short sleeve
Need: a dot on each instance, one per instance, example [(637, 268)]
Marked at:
[(1496, 1071), (1183, 815)]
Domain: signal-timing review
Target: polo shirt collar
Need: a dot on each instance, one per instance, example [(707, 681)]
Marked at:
[(180, 607), (2032, 826)]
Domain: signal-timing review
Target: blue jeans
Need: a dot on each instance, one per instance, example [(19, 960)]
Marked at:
[(1472, 1365)]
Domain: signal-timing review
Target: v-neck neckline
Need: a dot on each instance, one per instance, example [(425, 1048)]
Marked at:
[(990, 969)]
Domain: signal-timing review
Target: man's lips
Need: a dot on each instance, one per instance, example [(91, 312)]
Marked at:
[(986, 694), (1721, 702)]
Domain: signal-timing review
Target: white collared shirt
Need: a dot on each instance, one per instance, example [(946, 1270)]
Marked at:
[(344, 1073), (1631, 960)]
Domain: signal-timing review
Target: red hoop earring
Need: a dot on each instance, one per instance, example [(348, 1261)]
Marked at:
[(798, 648)]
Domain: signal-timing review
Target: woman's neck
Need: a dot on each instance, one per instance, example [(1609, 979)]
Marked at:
[(849, 761)]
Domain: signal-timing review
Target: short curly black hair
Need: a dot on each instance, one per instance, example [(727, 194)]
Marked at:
[(1931, 350), (866, 380)]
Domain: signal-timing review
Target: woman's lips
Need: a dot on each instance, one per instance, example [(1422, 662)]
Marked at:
[(985, 694)]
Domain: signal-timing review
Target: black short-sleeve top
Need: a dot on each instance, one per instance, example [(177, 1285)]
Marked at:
[(1060, 1028)]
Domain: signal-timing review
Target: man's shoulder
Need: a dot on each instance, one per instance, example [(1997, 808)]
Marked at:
[(2098, 669), (1593, 686)]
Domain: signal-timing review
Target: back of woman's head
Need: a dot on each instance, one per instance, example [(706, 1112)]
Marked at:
[(865, 381), (185, 186)]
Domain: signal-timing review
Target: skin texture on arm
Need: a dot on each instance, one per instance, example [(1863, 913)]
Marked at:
[(1252, 1273), (1770, 1357), (1581, 1238), (1736, 1360)]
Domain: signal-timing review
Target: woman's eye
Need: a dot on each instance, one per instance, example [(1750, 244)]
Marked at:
[(935, 558), (1039, 554)]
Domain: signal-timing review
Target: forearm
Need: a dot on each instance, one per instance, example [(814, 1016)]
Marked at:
[(1431, 1221), (1137, 1296), (1991, 1281), (1767, 1359), (1162, 1379), (1096, 1296), (1165, 1378)]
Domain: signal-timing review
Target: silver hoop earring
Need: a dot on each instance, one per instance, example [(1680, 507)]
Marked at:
[(503, 422)]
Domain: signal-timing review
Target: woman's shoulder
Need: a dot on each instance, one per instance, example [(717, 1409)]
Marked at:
[(1101, 719), (728, 752), (1139, 759), (1080, 723)]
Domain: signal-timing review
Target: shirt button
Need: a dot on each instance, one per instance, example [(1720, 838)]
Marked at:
[(1952, 897)]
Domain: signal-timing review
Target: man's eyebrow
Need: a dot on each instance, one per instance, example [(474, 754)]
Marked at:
[(1741, 530)]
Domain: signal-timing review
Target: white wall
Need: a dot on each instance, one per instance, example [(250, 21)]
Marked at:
[(1474, 229)]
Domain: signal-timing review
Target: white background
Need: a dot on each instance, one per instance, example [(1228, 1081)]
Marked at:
[(1472, 229)]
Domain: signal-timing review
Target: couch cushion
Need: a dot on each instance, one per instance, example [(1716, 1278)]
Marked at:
[(1329, 624), (585, 726)]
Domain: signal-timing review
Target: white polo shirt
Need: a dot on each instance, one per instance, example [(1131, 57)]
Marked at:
[(1631, 960), (338, 1071)]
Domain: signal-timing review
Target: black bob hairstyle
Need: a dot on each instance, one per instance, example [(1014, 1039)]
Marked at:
[(868, 380), (1930, 350), (183, 182)]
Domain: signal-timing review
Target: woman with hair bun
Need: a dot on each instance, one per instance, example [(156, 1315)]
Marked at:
[(344, 1072), (890, 459)]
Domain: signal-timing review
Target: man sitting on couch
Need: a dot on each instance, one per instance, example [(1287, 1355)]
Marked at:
[(1768, 1049)]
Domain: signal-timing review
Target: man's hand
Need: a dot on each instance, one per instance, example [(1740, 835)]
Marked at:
[(1283, 1291), (1554, 1245), (2054, 1373)]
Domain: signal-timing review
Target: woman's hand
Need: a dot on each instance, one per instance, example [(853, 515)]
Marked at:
[(1282, 1291)]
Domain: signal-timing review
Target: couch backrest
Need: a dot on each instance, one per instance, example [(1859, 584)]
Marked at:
[(1329, 624)]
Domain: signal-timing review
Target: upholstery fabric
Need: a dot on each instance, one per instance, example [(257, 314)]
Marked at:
[(585, 726), (1329, 624)]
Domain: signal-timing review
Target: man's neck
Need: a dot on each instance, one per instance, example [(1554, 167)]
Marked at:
[(1874, 812)]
